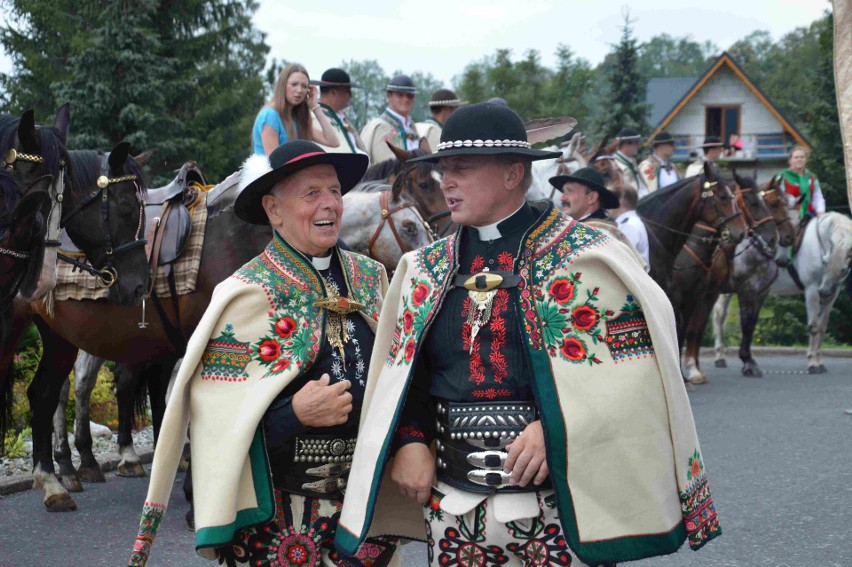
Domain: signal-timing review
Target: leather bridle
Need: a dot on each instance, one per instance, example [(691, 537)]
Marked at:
[(387, 217), (708, 190)]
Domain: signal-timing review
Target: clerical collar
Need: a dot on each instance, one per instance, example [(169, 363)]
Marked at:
[(518, 219), (321, 263), (406, 120)]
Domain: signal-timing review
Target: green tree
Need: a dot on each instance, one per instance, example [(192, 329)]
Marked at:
[(426, 85), (370, 100), (667, 56), (626, 106)]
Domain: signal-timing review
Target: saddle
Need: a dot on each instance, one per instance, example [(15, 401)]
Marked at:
[(169, 221)]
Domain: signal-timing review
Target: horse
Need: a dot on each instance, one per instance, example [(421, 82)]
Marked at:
[(571, 160), (104, 214), (697, 290), (755, 269)]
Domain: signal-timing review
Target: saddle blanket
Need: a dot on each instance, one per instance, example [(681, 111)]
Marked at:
[(71, 284)]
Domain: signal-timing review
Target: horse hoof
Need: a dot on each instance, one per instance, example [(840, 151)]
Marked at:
[(752, 372), (71, 482), (60, 503), (190, 520), (93, 474), (813, 370), (721, 363), (697, 379), (132, 470), (822, 369)]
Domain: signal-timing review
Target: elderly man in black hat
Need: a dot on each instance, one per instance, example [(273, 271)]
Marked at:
[(442, 104), (629, 141), (335, 93), (274, 376), (657, 170), (713, 148), (539, 362), (394, 125)]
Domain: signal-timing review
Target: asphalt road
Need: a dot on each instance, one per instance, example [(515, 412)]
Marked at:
[(778, 454)]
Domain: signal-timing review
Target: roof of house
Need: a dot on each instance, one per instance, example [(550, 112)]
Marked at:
[(667, 97)]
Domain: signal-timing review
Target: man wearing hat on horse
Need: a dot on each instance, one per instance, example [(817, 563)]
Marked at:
[(625, 158), (713, 148), (335, 93), (540, 363), (395, 124), (657, 170), (442, 104), (273, 377)]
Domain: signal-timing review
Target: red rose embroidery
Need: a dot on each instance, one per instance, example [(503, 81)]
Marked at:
[(407, 321), (285, 326), (562, 290), (573, 349), (695, 468), (585, 317), (281, 365), (409, 350), (269, 350), (421, 292)]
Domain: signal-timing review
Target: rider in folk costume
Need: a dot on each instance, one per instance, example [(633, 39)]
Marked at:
[(335, 93), (394, 125), (657, 170), (541, 363), (625, 158), (802, 184), (274, 375), (442, 104), (586, 198), (713, 148)]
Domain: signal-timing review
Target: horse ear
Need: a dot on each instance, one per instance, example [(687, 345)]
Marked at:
[(142, 159), (424, 145), (118, 156), (400, 154), (63, 121), (709, 174), (27, 132)]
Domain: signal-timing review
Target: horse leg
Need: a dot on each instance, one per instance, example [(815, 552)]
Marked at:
[(43, 395), (720, 313), (750, 305), (813, 306), (695, 335), (158, 375), (85, 377), (61, 448), (825, 313), (127, 380)]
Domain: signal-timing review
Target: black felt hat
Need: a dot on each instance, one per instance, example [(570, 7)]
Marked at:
[(259, 174), (663, 138), (713, 142), (336, 77), (401, 84), (485, 129), (591, 178), (628, 134), (444, 97)]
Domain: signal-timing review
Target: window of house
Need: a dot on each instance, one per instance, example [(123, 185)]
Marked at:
[(722, 121)]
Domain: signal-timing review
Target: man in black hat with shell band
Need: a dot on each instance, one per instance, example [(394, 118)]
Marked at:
[(657, 170), (442, 104), (335, 93), (394, 125), (629, 141), (539, 362), (713, 148)]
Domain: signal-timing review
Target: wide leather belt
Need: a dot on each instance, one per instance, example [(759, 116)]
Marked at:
[(321, 465), (471, 443)]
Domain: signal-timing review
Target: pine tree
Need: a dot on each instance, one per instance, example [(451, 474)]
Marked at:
[(626, 106)]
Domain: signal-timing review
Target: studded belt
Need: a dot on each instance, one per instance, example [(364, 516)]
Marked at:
[(472, 438), (320, 466)]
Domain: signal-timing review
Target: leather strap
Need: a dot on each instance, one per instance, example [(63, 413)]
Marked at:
[(510, 280)]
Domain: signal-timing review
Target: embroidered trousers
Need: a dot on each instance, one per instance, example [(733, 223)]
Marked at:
[(478, 539)]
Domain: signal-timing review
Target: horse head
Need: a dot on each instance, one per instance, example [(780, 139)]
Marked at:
[(718, 207), (757, 215), (420, 181), (775, 199)]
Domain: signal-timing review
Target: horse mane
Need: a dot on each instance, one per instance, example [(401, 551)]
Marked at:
[(52, 148), (9, 189), (651, 199), (370, 186), (384, 169), (85, 168)]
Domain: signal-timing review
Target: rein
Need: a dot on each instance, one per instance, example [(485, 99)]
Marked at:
[(53, 224), (387, 216)]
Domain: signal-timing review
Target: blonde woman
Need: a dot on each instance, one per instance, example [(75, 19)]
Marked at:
[(799, 182), (287, 115)]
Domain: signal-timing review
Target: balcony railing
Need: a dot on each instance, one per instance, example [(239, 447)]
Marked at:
[(754, 147)]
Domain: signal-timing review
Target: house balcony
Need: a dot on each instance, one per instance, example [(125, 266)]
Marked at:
[(755, 147)]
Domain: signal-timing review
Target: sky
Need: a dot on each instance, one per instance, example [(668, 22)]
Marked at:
[(442, 36)]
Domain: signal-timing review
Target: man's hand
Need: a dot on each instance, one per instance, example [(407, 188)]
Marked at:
[(413, 470), (527, 460), (319, 405)]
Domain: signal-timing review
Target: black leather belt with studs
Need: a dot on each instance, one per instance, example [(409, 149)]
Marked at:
[(321, 465)]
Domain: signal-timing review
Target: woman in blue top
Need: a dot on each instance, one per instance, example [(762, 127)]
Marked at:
[(287, 115)]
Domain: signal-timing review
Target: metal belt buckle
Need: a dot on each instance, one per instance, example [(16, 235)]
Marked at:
[(491, 460), (329, 470), (490, 478), (325, 486)]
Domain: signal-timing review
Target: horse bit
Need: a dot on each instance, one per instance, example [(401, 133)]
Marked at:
[(708, 190), (108, 275), (387, 216)]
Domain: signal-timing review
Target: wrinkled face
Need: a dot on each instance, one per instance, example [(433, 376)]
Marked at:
[(630, 149), (401, 103), (798, 160), (297, 88), (474, 189), (578, 200), (306, 207)]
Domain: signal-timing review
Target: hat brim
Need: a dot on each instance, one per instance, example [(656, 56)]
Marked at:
[(656, 143), (532, 155), (609, 200), (249, 207), (333, 84)]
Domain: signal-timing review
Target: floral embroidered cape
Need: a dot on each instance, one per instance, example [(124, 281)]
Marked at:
[(623, 453), (260, 332)]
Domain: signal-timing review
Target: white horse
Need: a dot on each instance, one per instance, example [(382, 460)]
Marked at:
[(542, 170), (822, 263)]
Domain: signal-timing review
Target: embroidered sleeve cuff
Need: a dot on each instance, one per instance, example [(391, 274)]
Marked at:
[(410, 434)]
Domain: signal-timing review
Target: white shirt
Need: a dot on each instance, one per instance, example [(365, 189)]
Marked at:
[(666, 177), (634, 229), (409, 128)]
